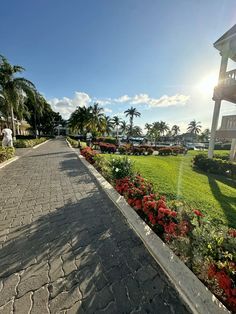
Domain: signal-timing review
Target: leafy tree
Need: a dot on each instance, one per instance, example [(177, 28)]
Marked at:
[(116, 122), (108, 125), (194, 127), (123, 127), (137, 131), (175, 129), (131, 113), (12, 90)]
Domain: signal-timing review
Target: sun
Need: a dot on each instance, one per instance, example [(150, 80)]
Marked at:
[(207, 84)]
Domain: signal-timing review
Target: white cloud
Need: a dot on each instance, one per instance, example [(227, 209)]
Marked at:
[(67, 105), (164, 101), (107, 110)]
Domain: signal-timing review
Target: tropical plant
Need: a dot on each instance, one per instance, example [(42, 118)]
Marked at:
[(13, 91), (155, 131), (194, 127), (204, 136), (163, 127), (123, 127), (108, 125), (175, 130), (132, 112), (137, 131), (116, 122)]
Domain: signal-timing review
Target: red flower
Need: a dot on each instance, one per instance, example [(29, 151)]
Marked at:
[(224, 280), (212, 271), (232, 233), (198, 213)]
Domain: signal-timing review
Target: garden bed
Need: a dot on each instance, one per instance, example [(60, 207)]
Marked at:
[(21, 143), (6, 153), (208, 249)]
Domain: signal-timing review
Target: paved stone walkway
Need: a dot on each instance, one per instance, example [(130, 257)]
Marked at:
[(65, 247)]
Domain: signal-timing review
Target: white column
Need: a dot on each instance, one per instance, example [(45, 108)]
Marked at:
[(216, 113), (232, 155)]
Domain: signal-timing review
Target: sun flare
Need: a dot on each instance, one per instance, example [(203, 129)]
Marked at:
[(207, 84)]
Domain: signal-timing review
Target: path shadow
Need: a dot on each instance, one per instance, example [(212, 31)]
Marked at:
[(73, 248)]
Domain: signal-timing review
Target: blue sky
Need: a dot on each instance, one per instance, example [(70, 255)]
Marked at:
[(147, 53)]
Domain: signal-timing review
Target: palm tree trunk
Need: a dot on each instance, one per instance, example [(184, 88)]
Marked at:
[(35, 123), (13, 124)]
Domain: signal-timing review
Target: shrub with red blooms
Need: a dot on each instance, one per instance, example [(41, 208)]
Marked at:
[(198, 213), (232, 233), (107, 148), (186, 232), (89, 154), (225, 282)]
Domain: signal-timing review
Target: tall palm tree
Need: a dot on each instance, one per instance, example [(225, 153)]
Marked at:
[(204, 136), (137, 131), (79, 119), (194, 127), (96, 118), (132, 112), (12, 89), (108, 125), (155, 131), (123, 127), (175, 130), (116, 122), (163, 127)]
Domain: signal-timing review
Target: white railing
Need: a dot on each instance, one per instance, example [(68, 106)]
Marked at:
[(230, 78)]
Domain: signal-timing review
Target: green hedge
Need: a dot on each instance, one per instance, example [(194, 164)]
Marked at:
[(29, 143), (215, 165), (74, 143), (6, 153)]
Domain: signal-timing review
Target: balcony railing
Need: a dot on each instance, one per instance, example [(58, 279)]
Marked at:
[(230, 78)]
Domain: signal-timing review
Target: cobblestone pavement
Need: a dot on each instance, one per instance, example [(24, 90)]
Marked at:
[(65, 247)]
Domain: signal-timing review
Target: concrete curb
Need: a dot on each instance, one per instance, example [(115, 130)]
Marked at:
[(36, 146), (193, 292), (9, 161)]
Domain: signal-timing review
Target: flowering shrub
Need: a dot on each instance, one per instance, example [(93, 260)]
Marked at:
[(122, 150), (206, 247), (107, 148), (89, 154), (121, 167)]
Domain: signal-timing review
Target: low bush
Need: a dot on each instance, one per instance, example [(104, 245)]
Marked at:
[(107, 148), (6, 153), (29, 143), (122, 150), (73, 142), (121, 167), (216, 166), (89, 154), (150, 151), (107, 139)]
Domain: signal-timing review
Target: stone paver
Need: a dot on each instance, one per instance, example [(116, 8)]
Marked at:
[(66, 248)]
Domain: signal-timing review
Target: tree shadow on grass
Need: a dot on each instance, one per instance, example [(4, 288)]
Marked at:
[(226, 202)]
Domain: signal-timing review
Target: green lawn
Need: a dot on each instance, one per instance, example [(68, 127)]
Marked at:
[(174, 177)]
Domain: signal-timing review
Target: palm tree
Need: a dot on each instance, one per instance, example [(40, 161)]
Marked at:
[(194, 127), (79, 119), (132, 112), (116, 122), (96, 118), (204, 136), (175, 130), (123, 127), (155, 131), (12, 89), (108, 125), (163, 127), (137, 131)]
